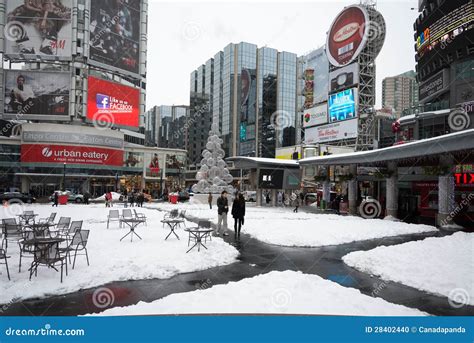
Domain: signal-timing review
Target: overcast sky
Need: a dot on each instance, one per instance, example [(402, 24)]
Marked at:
[(184, 35)]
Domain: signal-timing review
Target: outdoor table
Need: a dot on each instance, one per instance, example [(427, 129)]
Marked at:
[(172, 224), (27, 218), (132, 224), (39, 228), (41, 246), (198, 234)]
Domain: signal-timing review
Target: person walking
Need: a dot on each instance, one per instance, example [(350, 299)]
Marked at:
[(222, 210), (141, 199), (55, 199), (109, 198), (86, 198), (209, 200), (238, 212)]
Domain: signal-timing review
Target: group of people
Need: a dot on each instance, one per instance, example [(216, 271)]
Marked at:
[(237, 211)]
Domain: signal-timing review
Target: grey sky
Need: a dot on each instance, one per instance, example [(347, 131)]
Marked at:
[(183, 35)]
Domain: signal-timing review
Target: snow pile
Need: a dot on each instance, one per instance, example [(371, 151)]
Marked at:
[(110, 259), (280, 226), (286, 292), (442, 266), (115, 197)]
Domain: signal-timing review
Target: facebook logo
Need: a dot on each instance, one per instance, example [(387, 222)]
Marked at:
[(102, 101)]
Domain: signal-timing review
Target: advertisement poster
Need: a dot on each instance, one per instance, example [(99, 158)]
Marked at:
[(30, 93), (343, 105), (347, 36), (248, 95), (316, 115), (331, 132), (46, 153), (344, 78), (318, 62), (115, 33), (154, 164), (308, 91), (112, 103), (38, 28)]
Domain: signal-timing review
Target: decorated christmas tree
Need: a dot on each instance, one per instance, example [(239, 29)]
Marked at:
[(213, 176)]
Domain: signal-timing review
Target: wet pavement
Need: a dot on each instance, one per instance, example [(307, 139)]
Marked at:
[(255, 258)]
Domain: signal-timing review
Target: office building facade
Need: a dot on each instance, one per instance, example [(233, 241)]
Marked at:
[(251, 93), (400, 92), (164, 126)]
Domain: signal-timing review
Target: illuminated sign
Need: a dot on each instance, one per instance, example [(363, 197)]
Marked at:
[(112, 103), (331, 132), (342, 105)]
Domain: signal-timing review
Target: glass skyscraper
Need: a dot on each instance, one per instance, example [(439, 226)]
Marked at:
[(251, 93)]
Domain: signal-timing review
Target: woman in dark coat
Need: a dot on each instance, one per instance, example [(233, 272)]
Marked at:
[(238, 212)]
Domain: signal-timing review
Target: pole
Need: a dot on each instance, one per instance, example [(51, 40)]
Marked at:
[(64, 176)]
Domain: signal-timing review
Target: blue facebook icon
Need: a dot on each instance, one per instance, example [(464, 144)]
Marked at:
[(102, 101)]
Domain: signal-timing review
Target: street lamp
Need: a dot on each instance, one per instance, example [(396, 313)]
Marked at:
[(64, 177)]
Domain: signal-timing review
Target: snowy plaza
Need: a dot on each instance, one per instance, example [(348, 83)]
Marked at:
[(376, 259)]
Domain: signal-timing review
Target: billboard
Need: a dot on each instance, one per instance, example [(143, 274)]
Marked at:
[(331, 132), (344, 78), (32, 93), (317, 61), (434, 86), (46, 153), (38, 28), (316, 115), (113, 104), (308, 90), (115, 34), (347, 36), (270, 178), (343, 105)]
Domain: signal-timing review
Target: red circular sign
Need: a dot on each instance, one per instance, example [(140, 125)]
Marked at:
[(347, 36)]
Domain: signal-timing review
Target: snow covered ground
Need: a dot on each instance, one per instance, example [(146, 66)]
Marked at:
[(110, 259), (275, 293), (442, 266), (281, 226)]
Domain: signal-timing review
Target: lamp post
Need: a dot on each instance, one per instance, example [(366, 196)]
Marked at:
[(64, 176)]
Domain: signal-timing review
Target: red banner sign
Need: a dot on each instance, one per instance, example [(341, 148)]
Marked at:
[(45, 153)]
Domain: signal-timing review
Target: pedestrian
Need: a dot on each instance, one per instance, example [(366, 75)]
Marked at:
[(268, 198), (296, 202), (106, 199), (55, 199), (238, 212), (222, 210), (141, 199), (280, 199), (337, 202), (209, 200), (109, 197), (86, 198), (131, 199)]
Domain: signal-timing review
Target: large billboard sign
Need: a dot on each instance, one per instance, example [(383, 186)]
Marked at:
[(115, 34), (316, 115), (435, 85), (347, 36), (318, 62), (46, 153), (343, 78), (29, 94), (343, 105), (38, 28), (112, 104), (331, 132)]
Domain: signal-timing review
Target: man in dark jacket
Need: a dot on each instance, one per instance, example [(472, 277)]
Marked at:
[(222, 210), (55, 199), (238, 212)]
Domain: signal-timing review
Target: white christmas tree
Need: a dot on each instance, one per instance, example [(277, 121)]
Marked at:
[(213, 176)]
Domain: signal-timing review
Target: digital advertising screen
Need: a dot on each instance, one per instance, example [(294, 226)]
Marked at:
[(343, 105), (112, 104), (33, 93), (38, 28), (344, 77), (115, 33), (270, 179)]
